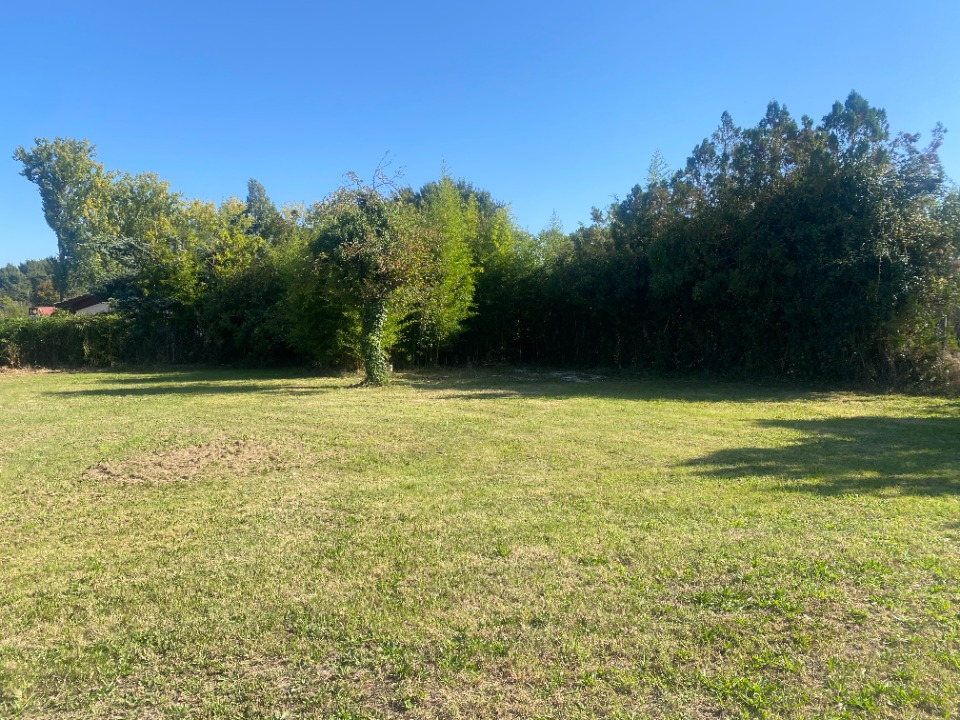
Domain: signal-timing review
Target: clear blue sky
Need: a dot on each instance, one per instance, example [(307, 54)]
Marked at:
[(551, 107)]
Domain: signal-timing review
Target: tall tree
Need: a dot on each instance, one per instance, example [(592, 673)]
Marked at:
[(448, 296), (72, 186), (266, 220)]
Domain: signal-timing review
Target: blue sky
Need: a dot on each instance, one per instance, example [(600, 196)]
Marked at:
[(550, 107)]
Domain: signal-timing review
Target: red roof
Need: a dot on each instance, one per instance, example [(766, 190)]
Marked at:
[(44, 310)]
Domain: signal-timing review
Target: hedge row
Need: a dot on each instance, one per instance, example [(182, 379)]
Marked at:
[(65, 341)]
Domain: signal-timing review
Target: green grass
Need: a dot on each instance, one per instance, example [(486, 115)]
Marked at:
[(227, 544)]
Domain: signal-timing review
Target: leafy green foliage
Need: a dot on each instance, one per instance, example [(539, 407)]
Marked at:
[(72, 186), (30, 283), (784, 249), (373, 253), (449, 291), (788, 248), (64, 340), (240, 307)]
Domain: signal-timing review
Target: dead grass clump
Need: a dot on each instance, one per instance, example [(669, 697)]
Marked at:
[(212, 459), (14, 370)]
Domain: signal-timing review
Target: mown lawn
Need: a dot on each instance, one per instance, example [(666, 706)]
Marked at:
[(224, 544)]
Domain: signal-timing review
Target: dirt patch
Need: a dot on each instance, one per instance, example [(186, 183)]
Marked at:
[(212, 459)]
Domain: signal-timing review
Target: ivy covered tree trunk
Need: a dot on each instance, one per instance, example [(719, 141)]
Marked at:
[(372, 318)]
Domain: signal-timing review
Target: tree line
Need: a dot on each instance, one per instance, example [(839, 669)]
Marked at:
[(791, 248)]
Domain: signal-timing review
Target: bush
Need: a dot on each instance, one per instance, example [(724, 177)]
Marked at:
[(941, 374), (65, 341)]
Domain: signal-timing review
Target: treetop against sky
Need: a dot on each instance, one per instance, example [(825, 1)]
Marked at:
[(551, 108)]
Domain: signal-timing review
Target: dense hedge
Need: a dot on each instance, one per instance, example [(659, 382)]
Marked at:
[(814, 252), (66, 341), (73, 341)]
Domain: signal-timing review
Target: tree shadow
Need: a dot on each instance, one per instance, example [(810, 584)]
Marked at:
[(520, 383), (507, 383), (448, 384), (187, 374), (909, 456), (208, 382)]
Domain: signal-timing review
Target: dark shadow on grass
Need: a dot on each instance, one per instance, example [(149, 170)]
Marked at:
[(501, 384), (518, 383), (207, 382), (910, 456), (197, 388), (206, 374), (455, 384)]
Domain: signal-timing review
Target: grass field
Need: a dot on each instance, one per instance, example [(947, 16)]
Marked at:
[(223, 544)]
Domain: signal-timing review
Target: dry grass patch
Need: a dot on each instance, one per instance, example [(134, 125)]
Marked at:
[(212, 459)]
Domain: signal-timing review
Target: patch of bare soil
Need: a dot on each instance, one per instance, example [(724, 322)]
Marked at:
[(211, 459)]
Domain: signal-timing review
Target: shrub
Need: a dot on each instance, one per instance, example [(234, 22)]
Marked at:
[(64, 341)]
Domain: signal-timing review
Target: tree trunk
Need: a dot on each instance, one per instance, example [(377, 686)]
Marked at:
[(372, 318)]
